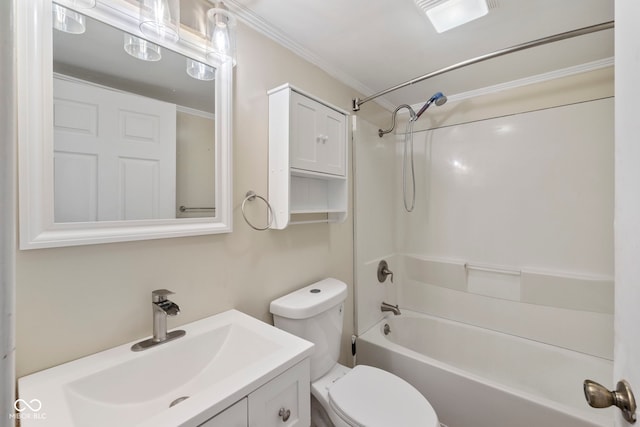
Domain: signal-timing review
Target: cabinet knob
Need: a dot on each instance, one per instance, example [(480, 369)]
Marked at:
[(322, 138), (284, 414)]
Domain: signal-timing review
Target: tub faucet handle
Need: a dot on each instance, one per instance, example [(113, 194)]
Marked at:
[(383, 271)]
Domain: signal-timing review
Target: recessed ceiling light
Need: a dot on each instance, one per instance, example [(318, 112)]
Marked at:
[(448, 14)]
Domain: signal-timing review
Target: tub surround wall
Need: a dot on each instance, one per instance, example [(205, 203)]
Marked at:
[(374, 186), (532, 203), (79, 300)]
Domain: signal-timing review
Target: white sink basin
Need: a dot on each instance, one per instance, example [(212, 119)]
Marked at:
[(221, 359)]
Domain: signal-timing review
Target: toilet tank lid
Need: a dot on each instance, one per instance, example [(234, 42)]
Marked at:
[(310, 300)]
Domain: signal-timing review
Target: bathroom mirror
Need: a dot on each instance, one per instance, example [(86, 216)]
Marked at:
[(165, 171)]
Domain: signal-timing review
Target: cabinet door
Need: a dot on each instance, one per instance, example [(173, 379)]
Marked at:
[(285, 401), (234, 416), (333, 144), (318, 136), (305, 132)]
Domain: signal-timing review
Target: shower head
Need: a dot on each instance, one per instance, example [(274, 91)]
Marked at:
[(438, 98)]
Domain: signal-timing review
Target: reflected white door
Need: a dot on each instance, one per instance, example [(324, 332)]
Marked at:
[(114, 154), (627, 204)]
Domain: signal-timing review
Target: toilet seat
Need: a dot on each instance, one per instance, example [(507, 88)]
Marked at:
[(371, 397)]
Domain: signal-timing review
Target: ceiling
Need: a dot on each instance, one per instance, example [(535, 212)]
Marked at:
[(372, 45)]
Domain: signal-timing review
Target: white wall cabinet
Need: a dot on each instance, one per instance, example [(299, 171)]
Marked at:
[(285, 401), (308, 179)]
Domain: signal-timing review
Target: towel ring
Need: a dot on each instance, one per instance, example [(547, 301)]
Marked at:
[(251, 196)]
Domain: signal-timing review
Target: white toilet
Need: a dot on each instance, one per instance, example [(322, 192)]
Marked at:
[(344, 397)]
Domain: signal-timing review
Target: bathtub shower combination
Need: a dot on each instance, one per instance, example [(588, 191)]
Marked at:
[(506, 299), (476, 377)]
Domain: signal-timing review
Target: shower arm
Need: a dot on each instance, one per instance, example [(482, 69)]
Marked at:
[(393, 118), (357, 102)]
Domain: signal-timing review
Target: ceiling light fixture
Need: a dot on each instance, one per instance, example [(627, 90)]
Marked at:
[(221, 34), (448, 14), (160, 19)]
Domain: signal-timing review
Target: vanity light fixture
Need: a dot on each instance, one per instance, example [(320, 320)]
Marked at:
[(141, 48), (200, 71), (448, 14), (221, 34), (160, 19), (67, 21)]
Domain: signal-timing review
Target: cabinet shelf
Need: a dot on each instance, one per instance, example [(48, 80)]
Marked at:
[(307, 158)]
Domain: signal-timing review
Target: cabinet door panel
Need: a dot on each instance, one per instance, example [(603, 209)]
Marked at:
[(234, 416), (283, 402), (333, 144), (304, 132)]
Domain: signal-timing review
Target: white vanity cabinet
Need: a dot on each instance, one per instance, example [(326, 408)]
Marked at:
[(307, 158), (285, 401), (234, 416)]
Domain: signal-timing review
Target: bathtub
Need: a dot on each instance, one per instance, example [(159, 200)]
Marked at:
[(476, 377)]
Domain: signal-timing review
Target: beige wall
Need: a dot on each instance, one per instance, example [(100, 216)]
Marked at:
[(195, 164), (79, 300)]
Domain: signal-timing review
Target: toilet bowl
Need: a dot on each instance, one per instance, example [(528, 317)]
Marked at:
[(344, 397)]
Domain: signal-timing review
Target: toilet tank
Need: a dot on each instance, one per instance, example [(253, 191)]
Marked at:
[(314, 313)]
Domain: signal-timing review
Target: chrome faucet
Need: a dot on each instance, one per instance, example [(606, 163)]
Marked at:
[(388, 307), (162, 307)]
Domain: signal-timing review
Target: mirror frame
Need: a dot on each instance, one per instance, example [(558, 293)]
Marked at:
[(35, 136)]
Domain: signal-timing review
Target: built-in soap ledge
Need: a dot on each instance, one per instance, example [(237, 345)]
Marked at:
[(553, 289)]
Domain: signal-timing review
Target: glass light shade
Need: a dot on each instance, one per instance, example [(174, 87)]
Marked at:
[(453, 13), (200, 71), (67, 20), (141, 48), (221, 35), (160, 19)]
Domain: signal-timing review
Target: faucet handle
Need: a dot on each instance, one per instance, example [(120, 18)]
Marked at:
[(383, 271), (160, 295)]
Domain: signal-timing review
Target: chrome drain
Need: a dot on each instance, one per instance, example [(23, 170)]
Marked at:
[(178, 400)]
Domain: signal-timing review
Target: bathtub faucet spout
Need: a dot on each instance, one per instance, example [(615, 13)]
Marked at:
[(388, 307)]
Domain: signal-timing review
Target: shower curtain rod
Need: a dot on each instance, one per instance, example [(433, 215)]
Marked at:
[(357, 102)]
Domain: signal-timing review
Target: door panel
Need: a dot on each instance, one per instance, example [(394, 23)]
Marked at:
[(76, 187), (132, 139)]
